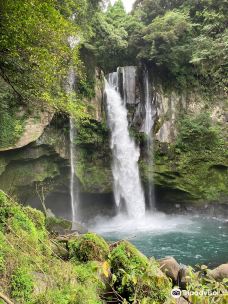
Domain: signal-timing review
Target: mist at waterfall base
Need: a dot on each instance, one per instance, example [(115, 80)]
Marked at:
[(191, 240)]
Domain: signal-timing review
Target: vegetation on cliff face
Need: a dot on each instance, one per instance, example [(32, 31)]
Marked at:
[(196, 163)]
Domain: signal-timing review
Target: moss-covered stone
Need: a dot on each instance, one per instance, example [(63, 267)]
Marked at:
[(24, 173), (125, 256), (202, 175), (136, 277), (88, 247), (58, 225), (93, 159), (29, 269)]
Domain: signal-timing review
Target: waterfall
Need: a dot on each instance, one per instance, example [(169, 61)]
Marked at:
[(73, 187), (127, 185), (129, 84), (74, 203), (73, 41), (148, 126)]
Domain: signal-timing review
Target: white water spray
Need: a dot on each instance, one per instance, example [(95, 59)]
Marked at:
[(148, 126), (127, 185)]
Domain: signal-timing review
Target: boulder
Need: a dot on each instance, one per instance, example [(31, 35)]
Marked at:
[(134, 272), (170, 267), (181, 301), (33, 128), (183, 276), (41, 283), (60, 249), (220, 273), (58, 225), (88, 247)]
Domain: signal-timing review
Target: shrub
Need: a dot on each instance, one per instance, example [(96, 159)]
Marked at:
[(21, 284), (197, 133), (135, 277), (89, 247)]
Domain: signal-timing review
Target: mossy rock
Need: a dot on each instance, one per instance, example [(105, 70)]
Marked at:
[(88, 247), (136, 276), (36, 216), (32, 273), (58, 225), (125, 255)]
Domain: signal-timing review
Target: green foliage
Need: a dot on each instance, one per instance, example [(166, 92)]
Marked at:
[(36, 216), (21, 284), (196, 163), (88, 247), (31, 272), (110, 40), (148, 10), (55, 223), (86, 88), (32, 41), (186, 41), (170, 32), (35, 53), (201, 282), (135, 277), (91, 132), (197, 133), (93, 157), (12, 125)]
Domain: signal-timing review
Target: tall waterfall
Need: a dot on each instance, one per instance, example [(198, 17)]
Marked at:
[(127, 185), (73, 196), (73, 185), (73, 41), (148, 126)]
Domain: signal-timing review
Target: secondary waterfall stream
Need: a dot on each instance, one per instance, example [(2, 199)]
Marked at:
[(148, 126), (73, 41), (127, 185), (73, 190)]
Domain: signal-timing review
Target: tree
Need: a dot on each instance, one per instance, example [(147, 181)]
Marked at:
[(34, 51), (184, 39), (110, 37)]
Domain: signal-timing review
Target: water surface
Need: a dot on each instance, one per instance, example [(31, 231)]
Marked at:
[(191, 240)]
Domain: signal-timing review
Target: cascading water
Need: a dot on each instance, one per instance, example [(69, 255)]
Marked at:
[(148, 126), (129, 84), (73, 41), (127, 186), (72, 173)]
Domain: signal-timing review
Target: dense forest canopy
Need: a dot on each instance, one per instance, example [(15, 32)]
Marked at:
[(185, 41)]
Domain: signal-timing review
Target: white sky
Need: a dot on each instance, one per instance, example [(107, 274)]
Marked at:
[(127, 3)]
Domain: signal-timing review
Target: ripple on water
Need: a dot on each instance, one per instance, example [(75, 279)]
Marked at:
[(191, 240)]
